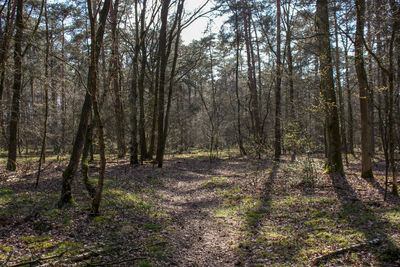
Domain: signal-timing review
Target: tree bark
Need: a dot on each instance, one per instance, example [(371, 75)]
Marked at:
[(17, 87), (340, 90), (278, 83), (163, 59), (42, 157), (334, 163), (70, 170), (366, 164), (142, 128), (115, 74)]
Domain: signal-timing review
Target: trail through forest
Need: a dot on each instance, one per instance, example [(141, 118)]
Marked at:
[(232, 211)]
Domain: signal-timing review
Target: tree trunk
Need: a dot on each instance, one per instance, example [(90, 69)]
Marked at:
[(350, 131), (366, 164), (278, 83), (334, 162), (163, 59), (70, 170), (17, 87), (340, 90), (42, 157), (115, 74), (252, 83), (142, 128), (238, 110)]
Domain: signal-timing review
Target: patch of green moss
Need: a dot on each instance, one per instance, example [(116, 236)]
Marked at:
[(151, 226), (42, 245), (225, 212), (5, 248), (101, 220), (145, 263), (156, 252), (215, 182), (33, 239)]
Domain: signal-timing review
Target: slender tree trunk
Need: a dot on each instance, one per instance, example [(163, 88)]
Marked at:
[(142, 128), (42, 157), (115, 71), (5, 38), (340, 91), (252, 83), (238, 113), (154, 113), (63, 99), (85, 161), (366, 164), (173, 70), (350, 131), (163, 59), (70, 170), (334, 161), (278, 83), (17, 87), (370, 7), (133, 104)]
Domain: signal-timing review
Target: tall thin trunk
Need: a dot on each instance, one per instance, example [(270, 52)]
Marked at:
[(350, 130), (115, 74), (142, 129), (133, 95), (5, 38), (238, 113), (42, 157), (278, 83), (252, 83), (340, 90), (70, 170), (173, 69), (17, 87), (370, 6), (154, 113), (63, 99), (163, 59), (334, 162), (366, 164)]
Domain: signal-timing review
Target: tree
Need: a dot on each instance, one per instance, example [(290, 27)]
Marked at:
[(366, 164), (163, 59), (278, 83), (17, 87), (334, 163), (70, 170), (115, 76)]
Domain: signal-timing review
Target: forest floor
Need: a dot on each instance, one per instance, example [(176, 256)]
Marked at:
[(234, 211)]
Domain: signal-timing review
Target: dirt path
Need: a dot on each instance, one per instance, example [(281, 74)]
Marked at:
[(192, 197)]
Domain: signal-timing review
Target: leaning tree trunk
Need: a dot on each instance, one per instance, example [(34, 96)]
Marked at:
[(334, 162), (366, 164), (70, 170)]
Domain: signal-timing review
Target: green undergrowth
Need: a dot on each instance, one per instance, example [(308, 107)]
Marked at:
[(286, 229)]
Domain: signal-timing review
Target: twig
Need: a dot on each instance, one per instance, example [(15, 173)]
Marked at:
[(109, 263), (9, 257), (38, 260), (335, 253)]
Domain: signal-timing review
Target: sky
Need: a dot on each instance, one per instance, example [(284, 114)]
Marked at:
[(196, 30)]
